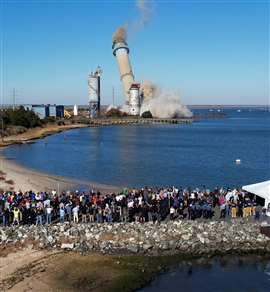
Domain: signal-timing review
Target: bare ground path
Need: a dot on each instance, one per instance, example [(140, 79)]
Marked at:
[(20, 266)]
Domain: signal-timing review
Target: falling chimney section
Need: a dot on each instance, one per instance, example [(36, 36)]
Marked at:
[(121, 51)]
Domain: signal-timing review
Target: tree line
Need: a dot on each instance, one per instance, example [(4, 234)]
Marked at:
[(20, 117)]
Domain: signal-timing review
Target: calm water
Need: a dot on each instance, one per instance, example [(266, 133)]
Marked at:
[(203, 153), (238, 275)]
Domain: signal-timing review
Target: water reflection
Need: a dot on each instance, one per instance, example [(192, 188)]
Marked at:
[(225, 274)]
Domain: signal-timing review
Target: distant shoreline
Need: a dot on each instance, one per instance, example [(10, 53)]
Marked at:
[(211, 106), (42, 132), (38, 133)]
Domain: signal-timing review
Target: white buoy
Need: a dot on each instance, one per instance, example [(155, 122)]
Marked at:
[(75, 110), (238, 161)]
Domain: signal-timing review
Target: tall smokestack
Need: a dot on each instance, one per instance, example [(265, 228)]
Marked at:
[(121, 51)]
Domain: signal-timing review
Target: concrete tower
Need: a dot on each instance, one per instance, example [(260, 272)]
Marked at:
[(94, 93)]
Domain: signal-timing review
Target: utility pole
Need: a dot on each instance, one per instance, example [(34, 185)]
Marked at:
[(14, 98), (113, 96)]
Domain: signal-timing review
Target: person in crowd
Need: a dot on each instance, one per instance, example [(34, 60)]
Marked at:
[(75, 212), (6, 215), (84, 210), (108, 213), (39, 215), (99, 214), (62, 214), (69, 210), (233, 209), (48, 214), (91, 213), (16, 216)]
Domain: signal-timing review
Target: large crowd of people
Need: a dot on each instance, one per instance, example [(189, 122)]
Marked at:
[(143, 205)]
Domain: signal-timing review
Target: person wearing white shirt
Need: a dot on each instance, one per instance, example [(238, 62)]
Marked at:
[(49, 215), (75, 212)]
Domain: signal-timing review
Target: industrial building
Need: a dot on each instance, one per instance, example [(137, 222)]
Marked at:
[(60, 110), (46, 110)]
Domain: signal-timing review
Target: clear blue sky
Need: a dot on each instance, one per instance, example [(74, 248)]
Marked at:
[(214, 52)]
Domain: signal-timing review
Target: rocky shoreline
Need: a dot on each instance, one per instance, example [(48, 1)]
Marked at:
[(168, 238)]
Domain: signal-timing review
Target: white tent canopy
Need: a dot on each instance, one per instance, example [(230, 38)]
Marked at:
[(261, 189)]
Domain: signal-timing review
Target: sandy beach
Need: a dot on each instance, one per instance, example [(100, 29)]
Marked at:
[(18, 178), (27, 179)]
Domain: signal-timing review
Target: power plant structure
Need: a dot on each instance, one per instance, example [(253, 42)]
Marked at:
[(94, 93), (131, 88), (139, 98)]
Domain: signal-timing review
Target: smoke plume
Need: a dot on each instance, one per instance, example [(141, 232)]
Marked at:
[(120, 35), (148, 89), (145, 10), (145, 14), (163, 104)]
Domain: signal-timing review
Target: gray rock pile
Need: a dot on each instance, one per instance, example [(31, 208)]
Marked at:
[(193, 238)]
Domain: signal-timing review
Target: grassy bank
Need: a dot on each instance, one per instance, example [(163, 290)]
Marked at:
[(37, 133)]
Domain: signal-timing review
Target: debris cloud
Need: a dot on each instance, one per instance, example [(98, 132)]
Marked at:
[(164, 104)]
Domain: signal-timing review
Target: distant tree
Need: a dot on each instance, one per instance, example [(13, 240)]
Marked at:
[(147, 115)]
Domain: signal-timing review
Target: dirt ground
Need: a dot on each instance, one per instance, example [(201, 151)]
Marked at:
[(39, 270)]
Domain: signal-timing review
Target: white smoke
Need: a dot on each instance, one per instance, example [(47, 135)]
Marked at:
[(165, 104), (110, 107), (123, 108), (145, 9)]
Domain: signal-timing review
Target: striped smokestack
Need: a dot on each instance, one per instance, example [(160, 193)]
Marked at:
[(121, 51)]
